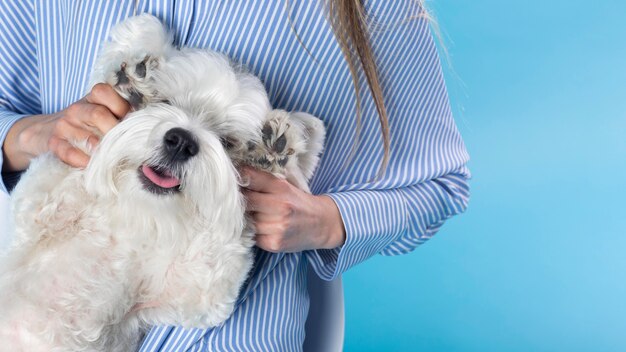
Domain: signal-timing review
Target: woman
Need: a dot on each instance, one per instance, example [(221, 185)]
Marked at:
[(392, 172)]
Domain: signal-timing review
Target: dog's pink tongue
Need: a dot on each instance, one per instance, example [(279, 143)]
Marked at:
[(165, 181)]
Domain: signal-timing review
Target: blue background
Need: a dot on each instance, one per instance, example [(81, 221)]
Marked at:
[(538, 261)]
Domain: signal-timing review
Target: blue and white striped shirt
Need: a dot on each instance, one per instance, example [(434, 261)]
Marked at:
[(47, 50)]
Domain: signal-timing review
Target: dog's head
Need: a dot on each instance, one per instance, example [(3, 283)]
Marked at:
[(162, 160)]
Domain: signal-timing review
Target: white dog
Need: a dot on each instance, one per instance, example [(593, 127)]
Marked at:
[(154, 230)]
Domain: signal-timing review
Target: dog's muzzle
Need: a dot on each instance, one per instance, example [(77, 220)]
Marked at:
[(179, 145)]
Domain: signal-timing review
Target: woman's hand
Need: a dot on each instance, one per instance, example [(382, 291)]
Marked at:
[(288, 219), (85, 120)]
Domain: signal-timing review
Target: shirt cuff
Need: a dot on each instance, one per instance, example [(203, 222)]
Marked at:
[(372, 220), (7, 120)]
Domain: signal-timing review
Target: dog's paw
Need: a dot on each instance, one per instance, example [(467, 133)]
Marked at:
[(134, 80), (314, 134), (289, 146), (129, 61), (280, 143)]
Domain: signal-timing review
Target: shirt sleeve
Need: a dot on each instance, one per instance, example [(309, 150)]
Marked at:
[(427, 178), (19, 75), (390, 222)]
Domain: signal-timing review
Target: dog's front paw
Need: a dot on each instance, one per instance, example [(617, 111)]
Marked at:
[(289, 146), (280, 143), (137, 47), (134, 81)]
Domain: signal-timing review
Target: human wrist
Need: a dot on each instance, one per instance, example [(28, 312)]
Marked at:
[(22, 143), (332, 223)]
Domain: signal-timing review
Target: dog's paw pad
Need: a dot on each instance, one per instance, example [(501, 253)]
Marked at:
[(280, 144), (135, 98), (122, 77), (140, 68), (270, 132), (267, 132), (276, 147), (135, 72), (133, 80)]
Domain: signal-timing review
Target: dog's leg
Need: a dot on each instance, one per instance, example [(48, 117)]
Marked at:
[(129, 61)]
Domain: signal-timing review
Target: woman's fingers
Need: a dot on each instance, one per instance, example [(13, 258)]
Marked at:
[(101, 118), (93, 117), (256, 201), (67, 152), (261, 181), (263, 218), (69, 132), (103, 94), (267, 206), (271, 243), (85, 120), (270, 229)]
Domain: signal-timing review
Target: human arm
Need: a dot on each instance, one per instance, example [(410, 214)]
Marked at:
[(391, 222), (288, 219), (24, 131), (19, 74), (342, 229), (426, 181), (86, 119)]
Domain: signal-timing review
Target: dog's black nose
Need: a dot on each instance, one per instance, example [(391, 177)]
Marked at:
[(180, 145)]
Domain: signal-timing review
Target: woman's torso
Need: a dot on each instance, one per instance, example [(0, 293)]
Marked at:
[(304, 72)]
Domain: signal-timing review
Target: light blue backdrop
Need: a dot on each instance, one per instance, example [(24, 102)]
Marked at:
[(538, 262)]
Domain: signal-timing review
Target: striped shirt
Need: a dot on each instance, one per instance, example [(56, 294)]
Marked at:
[(47, 50)]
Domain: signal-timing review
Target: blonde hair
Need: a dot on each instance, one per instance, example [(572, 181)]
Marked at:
[(350, 26)]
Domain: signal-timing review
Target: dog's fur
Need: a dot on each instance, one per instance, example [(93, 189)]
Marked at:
[(101, 253)]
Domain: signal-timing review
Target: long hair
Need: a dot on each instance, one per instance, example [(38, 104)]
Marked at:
[(350, 26)]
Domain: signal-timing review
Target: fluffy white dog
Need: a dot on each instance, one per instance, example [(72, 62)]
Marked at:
[(154, 230)]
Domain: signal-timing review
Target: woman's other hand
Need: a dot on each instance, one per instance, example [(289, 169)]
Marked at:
[(85, 120), (288, 219)]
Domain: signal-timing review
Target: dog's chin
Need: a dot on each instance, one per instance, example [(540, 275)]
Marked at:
[(158, 180)]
